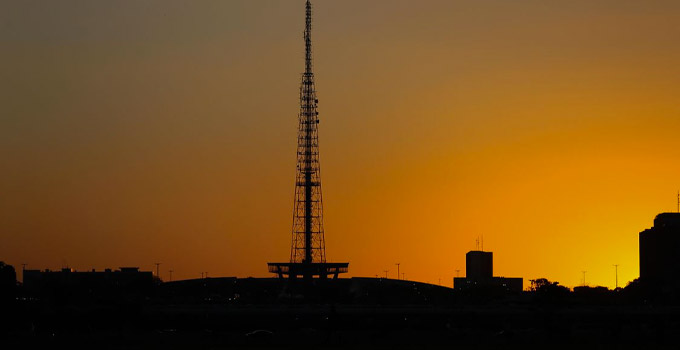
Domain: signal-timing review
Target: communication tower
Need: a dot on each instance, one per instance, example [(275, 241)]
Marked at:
[(308, 248)]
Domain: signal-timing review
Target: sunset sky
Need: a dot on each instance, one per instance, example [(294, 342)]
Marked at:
[(134, 132)]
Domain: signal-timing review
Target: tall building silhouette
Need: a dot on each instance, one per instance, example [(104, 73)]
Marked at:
[(659, 249), (479, 274), (478, 264), (308, 248)]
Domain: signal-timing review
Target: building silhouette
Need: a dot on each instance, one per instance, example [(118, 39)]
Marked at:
[(71, 284), (479, 274), (8, 282), (659, 249), (478, 265)]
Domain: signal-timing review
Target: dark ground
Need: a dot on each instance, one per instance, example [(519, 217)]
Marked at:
[(344, 314)]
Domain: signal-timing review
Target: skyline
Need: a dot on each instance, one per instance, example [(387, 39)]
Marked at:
[(561, 128)]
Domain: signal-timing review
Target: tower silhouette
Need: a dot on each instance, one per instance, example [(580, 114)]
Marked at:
[(308, 248), (308, 235)]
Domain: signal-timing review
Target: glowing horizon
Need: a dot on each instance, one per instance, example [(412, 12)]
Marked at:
[(134, 133)]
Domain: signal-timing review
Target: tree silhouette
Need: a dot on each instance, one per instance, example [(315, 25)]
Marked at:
[(545, 289)]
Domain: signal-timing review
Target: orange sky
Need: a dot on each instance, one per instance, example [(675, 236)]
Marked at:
[(136, 132)]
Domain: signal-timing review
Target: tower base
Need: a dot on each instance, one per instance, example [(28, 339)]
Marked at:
[(305, 270)]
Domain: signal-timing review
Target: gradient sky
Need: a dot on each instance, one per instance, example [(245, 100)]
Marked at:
[(133, 132)]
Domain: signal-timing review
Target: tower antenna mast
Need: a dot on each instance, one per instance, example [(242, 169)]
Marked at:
[(308, 247), (308, 234)]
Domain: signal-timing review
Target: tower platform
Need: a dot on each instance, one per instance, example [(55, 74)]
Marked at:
[(308, 270)]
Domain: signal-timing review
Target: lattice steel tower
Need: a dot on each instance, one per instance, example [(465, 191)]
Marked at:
[(308, 249), (308, 239)]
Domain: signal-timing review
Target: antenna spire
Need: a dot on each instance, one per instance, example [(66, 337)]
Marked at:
[(308, 38)]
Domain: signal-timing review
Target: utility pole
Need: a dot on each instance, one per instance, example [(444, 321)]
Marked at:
[(584, 278), (616, 275), (457, 273), (398, 270), (403, 276), (440, 281), (158, 270), (23, 271), (386, 271), (170, 275)]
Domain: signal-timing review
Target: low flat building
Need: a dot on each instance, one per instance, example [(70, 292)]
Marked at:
[(67, 282)]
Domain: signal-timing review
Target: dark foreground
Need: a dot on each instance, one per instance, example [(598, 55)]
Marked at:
[(348, 314)]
